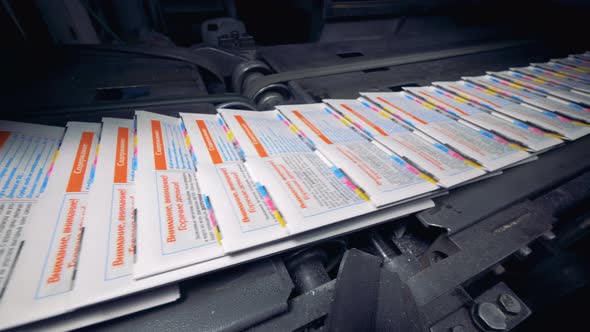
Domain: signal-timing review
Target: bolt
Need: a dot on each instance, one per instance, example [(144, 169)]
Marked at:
[(509, 304), (498, 269), (459, 328), (524, 252), (490, 316), (549, 235)]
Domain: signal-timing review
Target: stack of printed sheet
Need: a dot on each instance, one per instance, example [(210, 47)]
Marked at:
[(167, 198)]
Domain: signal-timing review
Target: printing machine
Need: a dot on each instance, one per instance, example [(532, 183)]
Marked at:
[(506, 253)]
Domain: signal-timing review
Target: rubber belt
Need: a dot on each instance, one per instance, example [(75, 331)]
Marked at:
[(259, 83)]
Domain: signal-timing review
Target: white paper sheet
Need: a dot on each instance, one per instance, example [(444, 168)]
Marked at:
[(308, 190), (515, 101), (481, 146), (26, 155), (549, 89), (447, 166), (457, 103), (575, 72), (106, 311), (564, 81), (574, 61), (245, 215), (174, 228), (105, 267), (43, 277), (383, 175)]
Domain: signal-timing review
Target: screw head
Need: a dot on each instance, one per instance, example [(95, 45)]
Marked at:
[(509, 304), (490, 316)]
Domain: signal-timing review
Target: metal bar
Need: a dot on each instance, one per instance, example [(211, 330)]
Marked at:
[(261, 82)]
